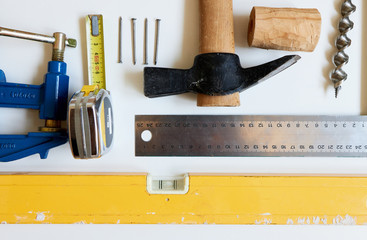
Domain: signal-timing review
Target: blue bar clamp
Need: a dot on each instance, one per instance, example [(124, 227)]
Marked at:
[(50, 98)]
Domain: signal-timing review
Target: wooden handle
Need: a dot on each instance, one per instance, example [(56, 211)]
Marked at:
[(216, 35), (288, 29), (216, 26)]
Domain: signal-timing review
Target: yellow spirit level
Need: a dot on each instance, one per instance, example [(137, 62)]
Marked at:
[(193, 199)]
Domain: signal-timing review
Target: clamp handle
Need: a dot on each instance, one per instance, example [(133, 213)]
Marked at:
[(58, 40)]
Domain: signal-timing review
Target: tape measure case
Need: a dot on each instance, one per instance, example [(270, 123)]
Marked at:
[(90, 123)]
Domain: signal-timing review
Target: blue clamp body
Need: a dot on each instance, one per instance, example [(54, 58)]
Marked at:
[(50, 98)]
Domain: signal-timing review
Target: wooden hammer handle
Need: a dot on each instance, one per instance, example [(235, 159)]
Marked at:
[(216, 35), (216, 26)]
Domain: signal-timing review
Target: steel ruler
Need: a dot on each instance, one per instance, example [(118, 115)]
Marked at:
[(95, 50), (288, 136)]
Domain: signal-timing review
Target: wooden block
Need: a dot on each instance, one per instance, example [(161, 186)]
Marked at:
[(288, 29)]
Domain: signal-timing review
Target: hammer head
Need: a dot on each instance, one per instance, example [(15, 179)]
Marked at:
[(213, 74)]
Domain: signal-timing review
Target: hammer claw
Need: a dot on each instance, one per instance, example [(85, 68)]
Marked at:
[(265, 71)]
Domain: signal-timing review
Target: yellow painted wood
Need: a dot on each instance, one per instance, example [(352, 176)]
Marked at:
[(212, 199)]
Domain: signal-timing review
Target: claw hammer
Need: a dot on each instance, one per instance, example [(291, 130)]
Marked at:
[(216, 75)]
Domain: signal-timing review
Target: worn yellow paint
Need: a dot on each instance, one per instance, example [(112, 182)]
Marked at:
[(212, 199)]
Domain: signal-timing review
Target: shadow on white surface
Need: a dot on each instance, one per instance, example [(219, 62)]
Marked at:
[(186, 232)]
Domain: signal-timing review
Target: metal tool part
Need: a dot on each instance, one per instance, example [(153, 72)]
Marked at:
[(34, 36), (212, 74), (217, 70), (58, 40), (145, 42), (268, 136), (119, 60), (50, 98), (156, 42), (95, 51), (338, 76), (133, 39), (90, 123)]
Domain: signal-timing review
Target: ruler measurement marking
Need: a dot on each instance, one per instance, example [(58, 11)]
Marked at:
[(251, 124)]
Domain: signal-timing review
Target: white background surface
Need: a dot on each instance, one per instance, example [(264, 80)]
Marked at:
[(302, 89)]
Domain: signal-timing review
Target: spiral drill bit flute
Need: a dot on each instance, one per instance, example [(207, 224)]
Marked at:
[(342, 42)]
